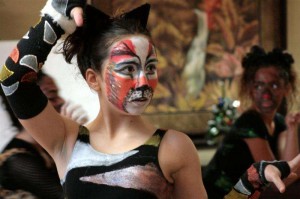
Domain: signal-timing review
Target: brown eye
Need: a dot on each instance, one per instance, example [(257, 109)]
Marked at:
[(275, 86), (151, 69), (127, 69), (130, 69), (258, 87)]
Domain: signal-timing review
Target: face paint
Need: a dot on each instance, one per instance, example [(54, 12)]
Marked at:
[(268, 90), (131, 75)]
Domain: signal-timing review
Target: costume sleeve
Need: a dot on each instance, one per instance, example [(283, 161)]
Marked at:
[(27, 172), (19, 73)]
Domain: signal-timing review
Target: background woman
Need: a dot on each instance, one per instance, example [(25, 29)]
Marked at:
[(117, 155), (260, 133)]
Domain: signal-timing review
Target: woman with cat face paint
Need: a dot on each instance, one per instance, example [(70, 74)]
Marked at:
[(260, 132), (118, 154)]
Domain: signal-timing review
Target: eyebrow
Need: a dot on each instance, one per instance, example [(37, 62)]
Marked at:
[(127, 51), (123, 51), (151, 60)]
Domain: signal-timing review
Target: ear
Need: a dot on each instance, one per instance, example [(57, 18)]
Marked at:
[(140, 13), (93, 79)]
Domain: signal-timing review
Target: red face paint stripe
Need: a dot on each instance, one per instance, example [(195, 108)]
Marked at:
[(123, 50)]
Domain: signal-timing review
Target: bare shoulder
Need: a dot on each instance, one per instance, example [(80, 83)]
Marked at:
[(176, 151), (175, 139)]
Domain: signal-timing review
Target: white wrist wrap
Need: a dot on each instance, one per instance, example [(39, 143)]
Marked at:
[(68, 25)]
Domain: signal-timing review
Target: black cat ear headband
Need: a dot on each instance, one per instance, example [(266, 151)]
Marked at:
[(99, 18), (140, 13)]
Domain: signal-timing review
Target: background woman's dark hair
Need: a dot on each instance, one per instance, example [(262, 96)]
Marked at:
[(91, 42), (257, 58), (13, 118), (40, 76)]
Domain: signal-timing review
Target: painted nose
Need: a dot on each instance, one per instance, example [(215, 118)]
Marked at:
[(266, 95), (142, 81)]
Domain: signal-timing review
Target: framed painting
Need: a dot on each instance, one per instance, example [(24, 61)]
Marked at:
[(200, 44)]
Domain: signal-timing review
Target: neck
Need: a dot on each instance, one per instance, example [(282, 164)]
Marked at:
[(24, 135), (267, 117), (113, 123)]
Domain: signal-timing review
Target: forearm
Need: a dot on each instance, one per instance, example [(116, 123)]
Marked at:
[(18, 75), (291, 145)]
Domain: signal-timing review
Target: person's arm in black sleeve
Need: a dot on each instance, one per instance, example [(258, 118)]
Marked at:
[(18, 75), (28, 172)]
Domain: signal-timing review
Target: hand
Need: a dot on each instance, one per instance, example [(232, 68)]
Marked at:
[(273, 174), (74, 112), (77, 15), (62, 11), (65, 7), (292, 120)]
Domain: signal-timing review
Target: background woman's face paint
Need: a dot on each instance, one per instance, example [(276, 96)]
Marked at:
[(131, 75), (268, 89)]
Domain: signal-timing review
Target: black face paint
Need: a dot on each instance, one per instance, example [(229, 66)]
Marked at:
[(142, 93), (267, 96)]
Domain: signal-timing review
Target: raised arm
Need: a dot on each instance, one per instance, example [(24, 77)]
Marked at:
[(18, 76), (288, 141)]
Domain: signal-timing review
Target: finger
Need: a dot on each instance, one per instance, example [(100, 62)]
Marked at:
[(279, 184), (82, 119), (77, 15), (293, 176), (75, 118), (74, 110), (294, 163)]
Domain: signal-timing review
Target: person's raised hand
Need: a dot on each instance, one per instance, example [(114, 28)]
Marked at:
[(77, 15), (66, 13), (65, 7), (292, 120), (74, 112)]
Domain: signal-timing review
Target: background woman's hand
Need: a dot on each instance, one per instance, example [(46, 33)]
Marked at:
[(292, 120), (74, 112)]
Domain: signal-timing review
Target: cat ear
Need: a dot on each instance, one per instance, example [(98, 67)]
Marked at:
[(140, 13), (95, 16)]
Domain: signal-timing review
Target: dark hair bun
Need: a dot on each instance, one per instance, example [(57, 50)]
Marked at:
[(253, 58), (257, 57)]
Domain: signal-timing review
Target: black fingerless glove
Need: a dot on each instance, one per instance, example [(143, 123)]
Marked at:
[(282, 166), (64, 7), (254, 179)]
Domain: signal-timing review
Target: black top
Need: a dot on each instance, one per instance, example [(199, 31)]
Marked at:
[(133, 174), (24, 168), (233, 157)]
